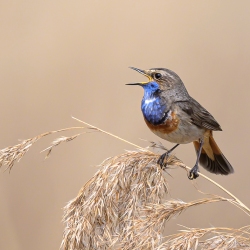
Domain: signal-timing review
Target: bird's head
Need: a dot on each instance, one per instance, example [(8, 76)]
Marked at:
[(161, 79)]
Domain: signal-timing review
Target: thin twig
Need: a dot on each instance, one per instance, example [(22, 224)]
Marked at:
[(105, 132)]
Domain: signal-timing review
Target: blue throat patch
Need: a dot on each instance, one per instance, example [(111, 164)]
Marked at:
[(153, 108)]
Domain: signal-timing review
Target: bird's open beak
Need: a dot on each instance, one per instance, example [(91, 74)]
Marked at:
[(143, 72)]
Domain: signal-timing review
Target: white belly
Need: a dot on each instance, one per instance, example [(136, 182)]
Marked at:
[(185, 133)]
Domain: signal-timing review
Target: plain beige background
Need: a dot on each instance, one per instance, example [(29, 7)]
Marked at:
[(70, 58)]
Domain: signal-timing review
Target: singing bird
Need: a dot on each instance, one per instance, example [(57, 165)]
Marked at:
[(173, 115)]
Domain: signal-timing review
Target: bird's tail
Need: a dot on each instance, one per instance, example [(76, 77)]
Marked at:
[(211, 157)]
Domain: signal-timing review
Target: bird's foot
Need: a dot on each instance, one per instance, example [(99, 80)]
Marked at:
[(162, 161), (193, 174)]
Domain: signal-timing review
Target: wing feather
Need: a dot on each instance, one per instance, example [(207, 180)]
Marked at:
[(199, 115)]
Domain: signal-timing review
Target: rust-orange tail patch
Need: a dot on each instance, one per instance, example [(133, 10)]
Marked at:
[(212, 159)]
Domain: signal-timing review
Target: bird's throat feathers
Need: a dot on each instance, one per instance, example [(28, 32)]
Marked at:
[(153, 106)]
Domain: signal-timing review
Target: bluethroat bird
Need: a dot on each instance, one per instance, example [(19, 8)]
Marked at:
[(172, 114)]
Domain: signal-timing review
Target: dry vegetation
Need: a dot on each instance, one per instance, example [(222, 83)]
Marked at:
[(125, 206)]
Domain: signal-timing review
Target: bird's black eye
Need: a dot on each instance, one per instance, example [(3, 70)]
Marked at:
[(157, 75)]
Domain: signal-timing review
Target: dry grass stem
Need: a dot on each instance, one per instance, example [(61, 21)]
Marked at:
[(108, 133)]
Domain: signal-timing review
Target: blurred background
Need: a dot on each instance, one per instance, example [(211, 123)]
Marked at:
[(70, 58)]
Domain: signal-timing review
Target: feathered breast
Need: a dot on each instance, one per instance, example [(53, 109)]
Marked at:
[(168, 126)]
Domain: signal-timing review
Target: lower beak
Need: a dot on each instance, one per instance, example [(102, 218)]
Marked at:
[(137, 83)]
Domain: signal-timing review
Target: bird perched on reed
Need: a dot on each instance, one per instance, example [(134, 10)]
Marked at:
[(172, 114)]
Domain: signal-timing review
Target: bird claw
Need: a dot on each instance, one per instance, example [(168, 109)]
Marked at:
[(193, 174), (162, 161)]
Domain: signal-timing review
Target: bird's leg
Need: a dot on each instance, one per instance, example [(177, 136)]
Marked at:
[(193, 174), (162, 161)]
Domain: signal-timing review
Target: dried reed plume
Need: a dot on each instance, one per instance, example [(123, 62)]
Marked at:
[(108, 204), (147, 228), (124, 205), (222, 238), (58, 141), (12, 154)]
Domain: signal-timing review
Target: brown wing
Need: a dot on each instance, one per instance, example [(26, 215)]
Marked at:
[(199, 115)]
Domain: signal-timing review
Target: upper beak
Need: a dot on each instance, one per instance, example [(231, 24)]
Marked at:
[(143, 72)]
